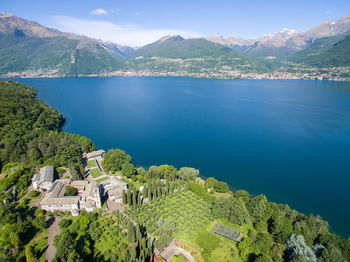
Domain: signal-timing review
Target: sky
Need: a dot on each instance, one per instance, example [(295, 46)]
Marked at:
[(138, 22)]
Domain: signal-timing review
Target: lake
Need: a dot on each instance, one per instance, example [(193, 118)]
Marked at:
[(287, 139)]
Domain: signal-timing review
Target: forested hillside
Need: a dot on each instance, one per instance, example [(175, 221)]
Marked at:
[(326, 52), (30, 131)]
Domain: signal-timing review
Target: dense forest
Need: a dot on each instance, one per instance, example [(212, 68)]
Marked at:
[(161, 204), (30, 137)]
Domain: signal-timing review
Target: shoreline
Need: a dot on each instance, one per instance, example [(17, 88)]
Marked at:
[(248, 76)]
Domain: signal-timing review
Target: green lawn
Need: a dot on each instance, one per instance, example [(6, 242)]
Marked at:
[(95, 172), (102, 179), (91, 163), (185, 209)]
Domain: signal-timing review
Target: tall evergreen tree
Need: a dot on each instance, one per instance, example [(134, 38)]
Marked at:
[(131, 233), (129, 197), (134, 198), (124, 197)]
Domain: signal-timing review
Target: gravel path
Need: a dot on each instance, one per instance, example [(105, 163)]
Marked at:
[(54, 230)]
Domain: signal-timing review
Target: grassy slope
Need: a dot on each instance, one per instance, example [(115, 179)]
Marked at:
[(214, 55), (325, 52), (21, 53)]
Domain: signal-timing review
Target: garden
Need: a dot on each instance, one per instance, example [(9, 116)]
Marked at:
[(184, 209)]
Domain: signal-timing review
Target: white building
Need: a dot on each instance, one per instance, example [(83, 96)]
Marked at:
[(44, 180), (113, 188), (95, 155)]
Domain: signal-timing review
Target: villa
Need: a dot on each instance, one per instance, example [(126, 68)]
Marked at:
[(88, 197)]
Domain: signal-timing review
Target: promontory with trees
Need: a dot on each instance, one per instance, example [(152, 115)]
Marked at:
[(166, 213)]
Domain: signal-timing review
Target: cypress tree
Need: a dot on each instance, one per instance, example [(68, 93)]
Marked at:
[(171, 189), (167, 188), (139, 200), (149, 196), (145, 191), (134, 197), (124, 197), (131, 233), (129, 197)]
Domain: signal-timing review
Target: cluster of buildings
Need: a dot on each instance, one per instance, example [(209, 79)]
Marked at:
[(88, 196)]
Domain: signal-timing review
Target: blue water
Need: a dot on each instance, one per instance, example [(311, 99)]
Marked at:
[(287, 139)]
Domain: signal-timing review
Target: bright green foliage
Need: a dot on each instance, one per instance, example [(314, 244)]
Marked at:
[(18, 176), (299, 258), (124, 197), (210, 182), (165, 235), (30, 130), (84, 222), (263, 258), (232, 209), (90, 238), (153, 172), (245, 247), (74, 257), (114, 160), (221, 187), (168, 172), (39, 222), (257, 207), (263, 243), (199, 190), (64, 244), (30, 257), (91, 163), (242, 194), (331, 254), (188, 173), (186, 210), (95, 172), (128, 196), (207, 242), (131, 233), (128, 170), (70, 191)]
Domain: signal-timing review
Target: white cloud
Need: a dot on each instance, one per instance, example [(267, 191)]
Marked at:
[(114, 10), (328, 12), (99, 11), (137, 13), (125, 34)]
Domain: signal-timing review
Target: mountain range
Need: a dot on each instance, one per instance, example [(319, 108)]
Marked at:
[(30, 49)]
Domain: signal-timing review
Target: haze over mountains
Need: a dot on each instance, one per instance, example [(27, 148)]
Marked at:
[(30, 49), (285, 42)]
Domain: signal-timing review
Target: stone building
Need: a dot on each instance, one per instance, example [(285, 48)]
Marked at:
[(88, 197), (44, 180), (95, 155), (113, 189)]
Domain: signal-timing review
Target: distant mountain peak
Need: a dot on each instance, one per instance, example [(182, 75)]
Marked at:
[(3, 15), (289, 31), (171, 37)]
